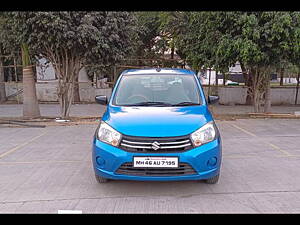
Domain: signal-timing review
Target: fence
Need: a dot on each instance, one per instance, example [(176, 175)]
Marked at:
[(47, 90)]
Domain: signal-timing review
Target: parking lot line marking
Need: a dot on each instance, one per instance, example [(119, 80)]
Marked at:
[(279, 149), (291, 156), (240, 156), (21, 145), (245, 131), (44, 161), (266, 142)]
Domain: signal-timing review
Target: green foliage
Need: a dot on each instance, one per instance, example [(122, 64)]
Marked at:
[(219, 39), (172, 25), (92, 36), (156, 33), (147, 30)]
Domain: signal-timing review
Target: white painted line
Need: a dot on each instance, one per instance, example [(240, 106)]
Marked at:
[(69, 212), (21, 145), (275, 147)]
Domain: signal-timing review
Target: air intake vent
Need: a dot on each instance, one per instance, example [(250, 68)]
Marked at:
[(183, 169)]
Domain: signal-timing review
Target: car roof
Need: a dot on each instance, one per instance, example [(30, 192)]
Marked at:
[(158, 71)]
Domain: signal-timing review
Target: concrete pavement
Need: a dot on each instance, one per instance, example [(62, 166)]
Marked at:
[(50, 169)]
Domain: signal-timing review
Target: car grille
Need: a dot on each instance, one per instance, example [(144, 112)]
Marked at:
[(128, 169), (155, 145)]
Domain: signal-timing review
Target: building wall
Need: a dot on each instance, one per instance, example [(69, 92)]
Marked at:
[(232, 95), (47, 92)]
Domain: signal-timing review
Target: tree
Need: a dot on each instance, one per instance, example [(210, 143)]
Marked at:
[(265, 43), (258, 40), (10, 44), (69, 39), (2, 85), (294, 47)]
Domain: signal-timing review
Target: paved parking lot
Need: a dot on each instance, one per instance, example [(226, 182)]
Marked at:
[(43, 170)]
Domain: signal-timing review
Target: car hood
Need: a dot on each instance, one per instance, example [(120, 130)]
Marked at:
[(156, 121)]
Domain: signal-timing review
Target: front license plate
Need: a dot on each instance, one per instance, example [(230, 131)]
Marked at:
[(155, 162)]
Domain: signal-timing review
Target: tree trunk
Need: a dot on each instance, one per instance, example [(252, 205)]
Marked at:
[(172, 51), (67, 65), (267, 106), (66, 95), (256, 101), (30, 103), (2, 84), (209, 78), (248, 82), (255, 94), (256, 89), (281, 76), (217, 84), (76, 90), (68, 73), (261, 91)]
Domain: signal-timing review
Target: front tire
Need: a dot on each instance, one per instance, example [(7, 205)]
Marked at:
[(213, 180), (101, 179)]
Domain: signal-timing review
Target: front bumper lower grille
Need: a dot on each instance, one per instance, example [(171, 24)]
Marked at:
[(183, 169), (155, 145)]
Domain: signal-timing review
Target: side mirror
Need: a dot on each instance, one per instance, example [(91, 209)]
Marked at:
[(101, 99), (213, 99)]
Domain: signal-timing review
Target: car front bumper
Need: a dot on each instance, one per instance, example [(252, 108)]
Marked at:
[(108, 159)]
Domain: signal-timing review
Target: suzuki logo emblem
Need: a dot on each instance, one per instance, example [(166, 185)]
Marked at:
[(155, 145)]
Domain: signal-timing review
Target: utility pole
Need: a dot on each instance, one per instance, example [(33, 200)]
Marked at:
[(209, 75), (297, 89)]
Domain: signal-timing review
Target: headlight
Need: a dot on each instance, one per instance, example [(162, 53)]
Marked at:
[(108, 135), (204, 134)]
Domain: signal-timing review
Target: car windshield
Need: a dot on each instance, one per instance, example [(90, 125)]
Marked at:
[(157, 90)]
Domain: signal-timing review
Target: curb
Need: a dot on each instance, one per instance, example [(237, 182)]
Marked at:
[(256, 115), (274, 115), (47, 121)]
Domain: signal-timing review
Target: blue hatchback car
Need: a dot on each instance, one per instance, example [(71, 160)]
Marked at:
[(157, 127)]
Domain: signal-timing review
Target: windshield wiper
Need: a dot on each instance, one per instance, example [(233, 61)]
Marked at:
[(150, 104), (185, 103)]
